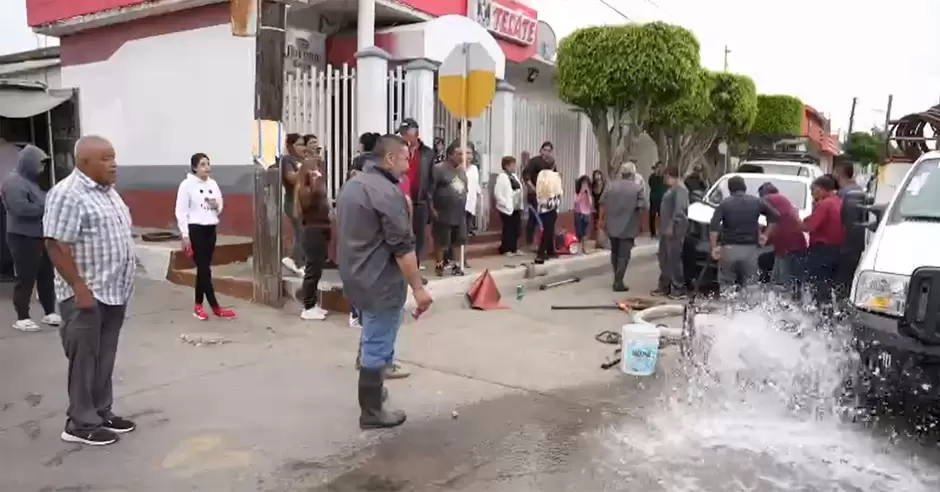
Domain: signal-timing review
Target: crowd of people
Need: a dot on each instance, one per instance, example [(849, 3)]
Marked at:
[(74, 243), (820, 252)]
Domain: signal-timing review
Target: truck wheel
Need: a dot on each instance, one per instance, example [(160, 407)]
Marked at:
[(857, 395)]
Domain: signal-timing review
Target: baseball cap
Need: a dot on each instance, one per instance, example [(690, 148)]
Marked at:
[(407, 124)]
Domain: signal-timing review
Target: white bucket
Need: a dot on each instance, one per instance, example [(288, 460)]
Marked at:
[(640, 349)]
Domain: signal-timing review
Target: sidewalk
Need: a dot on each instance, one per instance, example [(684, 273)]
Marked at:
[(274, 408), (449, 292)]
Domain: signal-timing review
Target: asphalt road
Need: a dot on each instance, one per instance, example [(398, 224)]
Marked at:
[(274, 408), (668, 433)]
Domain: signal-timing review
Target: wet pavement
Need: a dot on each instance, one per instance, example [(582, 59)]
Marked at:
[(509, 400)]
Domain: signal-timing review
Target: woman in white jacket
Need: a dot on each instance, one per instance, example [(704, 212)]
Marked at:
[(507, 192), (198, 205)]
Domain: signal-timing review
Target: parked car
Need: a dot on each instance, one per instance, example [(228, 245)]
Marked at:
[(895, 298), (696, 246), (786, 168)]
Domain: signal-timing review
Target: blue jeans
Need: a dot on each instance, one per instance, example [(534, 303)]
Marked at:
[(581, 224), (379, 333), (790, 271), (822, 263)]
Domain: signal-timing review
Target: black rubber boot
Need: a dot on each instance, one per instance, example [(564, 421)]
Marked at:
[(371, 396)]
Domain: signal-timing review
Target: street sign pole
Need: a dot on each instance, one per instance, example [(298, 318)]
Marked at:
[(464, 133), (466, 86)]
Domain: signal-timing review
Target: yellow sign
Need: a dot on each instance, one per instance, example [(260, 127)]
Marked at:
[(467, 81), (266, 141)]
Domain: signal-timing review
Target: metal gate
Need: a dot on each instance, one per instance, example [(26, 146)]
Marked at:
[(537, 122), (322, 102)]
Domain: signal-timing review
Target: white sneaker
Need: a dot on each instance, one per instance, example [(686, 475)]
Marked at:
[(315, 313), (422, 267), (52, 319), (26, 325), (291, 265), (354, 322)]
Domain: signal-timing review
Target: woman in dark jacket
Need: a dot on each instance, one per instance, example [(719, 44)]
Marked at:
[(598, 185)]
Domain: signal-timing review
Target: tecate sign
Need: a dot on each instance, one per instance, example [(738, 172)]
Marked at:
[(503, 21)]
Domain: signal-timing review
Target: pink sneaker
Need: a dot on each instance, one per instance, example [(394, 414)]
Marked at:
[(199, 314), (222, 312)]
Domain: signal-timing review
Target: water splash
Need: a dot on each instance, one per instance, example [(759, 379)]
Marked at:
[(759, 409)]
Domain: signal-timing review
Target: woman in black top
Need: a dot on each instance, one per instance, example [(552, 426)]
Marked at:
[(598, 185)]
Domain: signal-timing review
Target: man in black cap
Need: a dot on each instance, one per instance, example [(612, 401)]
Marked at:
[(421, 165)]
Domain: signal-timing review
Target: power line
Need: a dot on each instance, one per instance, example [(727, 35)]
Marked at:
[(615, 9)]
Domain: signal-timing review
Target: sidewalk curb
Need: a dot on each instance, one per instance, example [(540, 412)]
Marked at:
[(450, 292)]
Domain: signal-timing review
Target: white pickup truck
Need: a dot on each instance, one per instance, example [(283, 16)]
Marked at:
[(792, 179), (896, 291)]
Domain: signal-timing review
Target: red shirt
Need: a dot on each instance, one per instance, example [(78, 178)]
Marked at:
[(404, 184), (411, 176), (788, 234), (825, 223)]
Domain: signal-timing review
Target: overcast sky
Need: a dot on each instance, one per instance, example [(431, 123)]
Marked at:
[(823, 51)]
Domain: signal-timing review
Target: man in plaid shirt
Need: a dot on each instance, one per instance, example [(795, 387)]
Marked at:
[(87, 228)]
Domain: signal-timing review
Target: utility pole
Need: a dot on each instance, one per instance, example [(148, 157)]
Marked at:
[(727, 52), (887, 150), (851, 118), (269, 110)]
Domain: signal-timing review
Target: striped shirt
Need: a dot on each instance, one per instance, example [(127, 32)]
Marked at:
[(96, 223)]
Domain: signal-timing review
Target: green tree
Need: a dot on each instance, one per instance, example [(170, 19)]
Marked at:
[(616, 74), (778, 116), (864, 148), (720, 106)]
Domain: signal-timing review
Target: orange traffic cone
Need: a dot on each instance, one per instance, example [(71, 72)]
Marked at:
[(483, 294)]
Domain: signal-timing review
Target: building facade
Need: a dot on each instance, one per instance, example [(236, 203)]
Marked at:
[(163, 79)]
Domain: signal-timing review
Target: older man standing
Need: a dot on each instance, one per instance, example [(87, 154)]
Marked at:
[(87, 228), (620, 212), (377, 263)]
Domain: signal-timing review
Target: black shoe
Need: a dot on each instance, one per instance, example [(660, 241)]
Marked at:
[(619, 287), (371, 396), (92, 437), (118, 425), (424, 281), (539, 260), (660, 293), (456, 271), (678, 295)]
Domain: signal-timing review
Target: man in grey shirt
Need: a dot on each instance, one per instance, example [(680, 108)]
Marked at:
[(674, 222), (620, 215), (736, 223), (377, 263), (448, 209)]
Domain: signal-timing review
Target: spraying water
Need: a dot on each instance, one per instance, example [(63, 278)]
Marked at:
[(758, 410)]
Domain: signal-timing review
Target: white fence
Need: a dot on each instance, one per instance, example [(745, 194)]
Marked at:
[(537, 122), (323, 103)]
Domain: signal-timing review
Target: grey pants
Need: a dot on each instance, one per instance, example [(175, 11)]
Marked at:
[(670, 263), (738, 265), (90, 339), (33, 269), (620, 251)]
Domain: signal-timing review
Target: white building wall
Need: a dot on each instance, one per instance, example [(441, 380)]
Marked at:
[(161, 99)]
